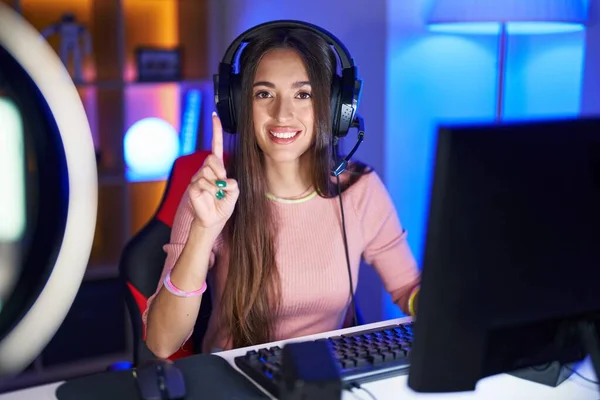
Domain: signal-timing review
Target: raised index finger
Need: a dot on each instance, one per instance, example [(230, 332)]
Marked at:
[(217, 136)]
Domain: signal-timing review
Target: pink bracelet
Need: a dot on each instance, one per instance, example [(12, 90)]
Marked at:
[(178, 292)]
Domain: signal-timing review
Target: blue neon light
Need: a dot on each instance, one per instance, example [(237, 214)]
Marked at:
[(189, 123), (513, 28)]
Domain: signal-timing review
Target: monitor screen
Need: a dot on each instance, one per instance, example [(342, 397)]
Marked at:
[(511, 266)]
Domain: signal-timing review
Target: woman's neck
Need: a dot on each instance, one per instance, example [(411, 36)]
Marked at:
[(288, 180)]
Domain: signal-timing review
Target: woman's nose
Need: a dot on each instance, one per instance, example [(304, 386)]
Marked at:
[(283, 110)]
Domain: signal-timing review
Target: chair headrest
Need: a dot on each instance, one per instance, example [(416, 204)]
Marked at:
[(182, 172)]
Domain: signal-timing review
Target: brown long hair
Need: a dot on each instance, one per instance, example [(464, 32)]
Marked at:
[(251, 295)]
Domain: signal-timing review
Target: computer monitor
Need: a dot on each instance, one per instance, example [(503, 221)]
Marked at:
[(48, 193), (511, 270)]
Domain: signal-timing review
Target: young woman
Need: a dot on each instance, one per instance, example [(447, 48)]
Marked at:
[(266, 229)]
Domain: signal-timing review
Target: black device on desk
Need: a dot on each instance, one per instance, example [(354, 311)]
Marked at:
[(360, 357), (511, 274), (308, 371), (159, 380)]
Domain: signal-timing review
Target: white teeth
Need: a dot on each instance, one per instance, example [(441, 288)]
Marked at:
[(283, 135)]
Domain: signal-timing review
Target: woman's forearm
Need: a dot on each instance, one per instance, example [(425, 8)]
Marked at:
[(171, 318)]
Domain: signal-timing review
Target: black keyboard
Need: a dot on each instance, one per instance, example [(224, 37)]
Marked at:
[(362, 356)]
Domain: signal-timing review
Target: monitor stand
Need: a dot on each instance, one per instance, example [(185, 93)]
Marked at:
[(554, 373), (549, 374), (590, 337)]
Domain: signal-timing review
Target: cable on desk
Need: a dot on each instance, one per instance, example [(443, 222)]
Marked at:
[(357, 386), (581, 376)]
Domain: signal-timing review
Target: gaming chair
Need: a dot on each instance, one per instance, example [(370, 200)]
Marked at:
[(143, 259)]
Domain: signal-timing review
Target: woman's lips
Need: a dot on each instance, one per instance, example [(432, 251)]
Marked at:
[(283, 135)]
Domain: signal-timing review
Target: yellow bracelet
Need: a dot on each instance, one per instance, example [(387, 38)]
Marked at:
[(411, 300)]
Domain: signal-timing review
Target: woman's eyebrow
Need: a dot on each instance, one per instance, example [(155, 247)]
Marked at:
[(272, 85)]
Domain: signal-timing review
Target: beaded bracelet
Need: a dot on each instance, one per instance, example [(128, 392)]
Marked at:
[(411, 300), (178, 292)]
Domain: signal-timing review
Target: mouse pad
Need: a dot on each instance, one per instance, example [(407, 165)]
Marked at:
[(206, 377)]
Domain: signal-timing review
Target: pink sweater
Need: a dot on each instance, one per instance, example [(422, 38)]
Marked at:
[(311, 258)]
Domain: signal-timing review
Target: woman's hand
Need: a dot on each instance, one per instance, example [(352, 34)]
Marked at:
[(213, 196)]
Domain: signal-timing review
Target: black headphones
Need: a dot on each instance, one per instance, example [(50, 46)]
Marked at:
[(345, 90)]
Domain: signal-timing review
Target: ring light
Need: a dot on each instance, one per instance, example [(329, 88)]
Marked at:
[(33, 331)]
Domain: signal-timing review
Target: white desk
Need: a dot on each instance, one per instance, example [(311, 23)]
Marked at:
[(500, 387)]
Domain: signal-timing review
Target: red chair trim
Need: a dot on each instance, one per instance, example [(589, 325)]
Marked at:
[(186, 350)]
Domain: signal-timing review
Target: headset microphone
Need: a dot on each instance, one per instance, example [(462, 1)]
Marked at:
[(359, 123)]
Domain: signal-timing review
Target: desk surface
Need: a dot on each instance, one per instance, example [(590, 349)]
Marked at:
[(499, 387)]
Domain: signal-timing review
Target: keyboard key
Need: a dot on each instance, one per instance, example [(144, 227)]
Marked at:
[(276, 350), (361, 362), (265, 353), (375, 358), (252, 355), (398, 353)]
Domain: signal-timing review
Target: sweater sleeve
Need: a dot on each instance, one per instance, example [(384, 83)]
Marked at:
[(385, 244), (179, 236)]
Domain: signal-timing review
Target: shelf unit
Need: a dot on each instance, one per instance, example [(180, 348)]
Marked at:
[(113, 101)]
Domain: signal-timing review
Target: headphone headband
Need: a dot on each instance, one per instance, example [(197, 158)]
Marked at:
[(345, 88), (345, 58)]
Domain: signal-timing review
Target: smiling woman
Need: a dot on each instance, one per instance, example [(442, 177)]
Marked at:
[(269, 230)]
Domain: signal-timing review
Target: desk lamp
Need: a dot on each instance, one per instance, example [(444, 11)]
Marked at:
[(504, 18)]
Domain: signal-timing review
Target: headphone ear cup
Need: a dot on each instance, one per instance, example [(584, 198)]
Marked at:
[(348, 98), (227, 99), (335, 105), (236, 99), (222, 88)]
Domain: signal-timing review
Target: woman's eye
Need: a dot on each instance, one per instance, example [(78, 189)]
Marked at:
[(304, 95), (262, 95)]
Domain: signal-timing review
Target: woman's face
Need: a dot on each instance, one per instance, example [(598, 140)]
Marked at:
[(282, 106)]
